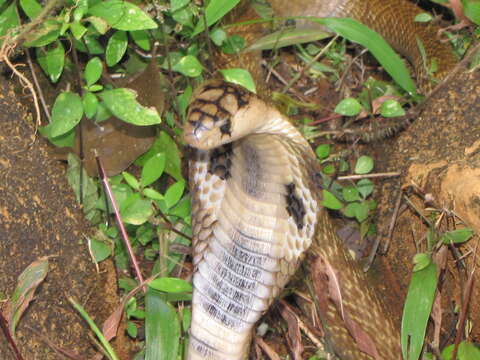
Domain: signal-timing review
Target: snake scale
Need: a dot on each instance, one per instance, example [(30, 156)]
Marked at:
[(256, 209)]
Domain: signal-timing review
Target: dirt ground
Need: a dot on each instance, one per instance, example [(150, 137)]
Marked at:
[(40, 217)]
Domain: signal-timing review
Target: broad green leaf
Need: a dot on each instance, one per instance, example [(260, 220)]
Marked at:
[(132, 329), (8, 20), (471, 9), (421, 261), (99, 250), (90, 104), (80, 9), (218, 36), (233, 45), (93, 70), (178, 4), (170, 285), (162, 328), (27, 283), (189, 66), (116, 48), (240, 77), (131, 180), (350, 209), (174, 193), (359, 33), (391, 108), (323, 151), (284, 38), (52, 60), (153, 194), (365, 187), (350, 193), (364, 165), (330, 201), (136, 210), (48, 32), (142, 39), (457, 236), (78, 30), (184, 16), (466, 351), (348, 107), (361, 211), (416, 312), (216, 9), (153, 169), (182, 209), (66, 113), (99, 24), (31, 7), (123, 104), (123, 15), (65, 140)]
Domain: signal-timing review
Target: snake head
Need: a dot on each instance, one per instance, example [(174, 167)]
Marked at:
[(220, 113)]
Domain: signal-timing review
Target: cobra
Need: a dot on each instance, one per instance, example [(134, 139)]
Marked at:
[(256, 210)]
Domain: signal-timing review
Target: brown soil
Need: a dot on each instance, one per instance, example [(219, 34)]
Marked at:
[(40, 217)]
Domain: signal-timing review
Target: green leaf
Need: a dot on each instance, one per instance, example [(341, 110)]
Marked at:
[(323, 151), (457, 236), (284, 38), (153, 194), (80, 10), (8, 20), (471, 9), (48, 32), (136, 210), (189, 66), (361, 211), (52, 60), (131, 180), (174, 193), (141, 39), (361, 34), (93, 70), (66, 113), (123, 15), (330, 201), (421, 261), (132, 329), (349, 210), (170, 285), (27, 283), (466, 351), (365, 187), (78, 30), (348, 107), (416, 312), (218, 36), (391, 108), (123, 104), (178, 4), (31, 7), (162, 328), (99, 250), (364, 165), (233, 45), (116, 47), (240, 77), (90, 104), (153, 169), (423, 17), (99, 24), (216, 9), (350, 193)]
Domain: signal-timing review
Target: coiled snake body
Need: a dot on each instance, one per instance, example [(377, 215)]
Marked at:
[(256, 209)]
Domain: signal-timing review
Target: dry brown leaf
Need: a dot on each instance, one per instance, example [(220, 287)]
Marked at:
[(294, 337)]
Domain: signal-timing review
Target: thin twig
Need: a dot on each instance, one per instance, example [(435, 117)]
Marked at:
[(118, 217), (38, 87), (171, 227), (392, 222), (372, 254), (369, 176)]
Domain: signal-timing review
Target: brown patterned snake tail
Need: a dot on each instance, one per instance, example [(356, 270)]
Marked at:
[(255, 211)]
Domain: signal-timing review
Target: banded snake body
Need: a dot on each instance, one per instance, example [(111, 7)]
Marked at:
[(256, 210)]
